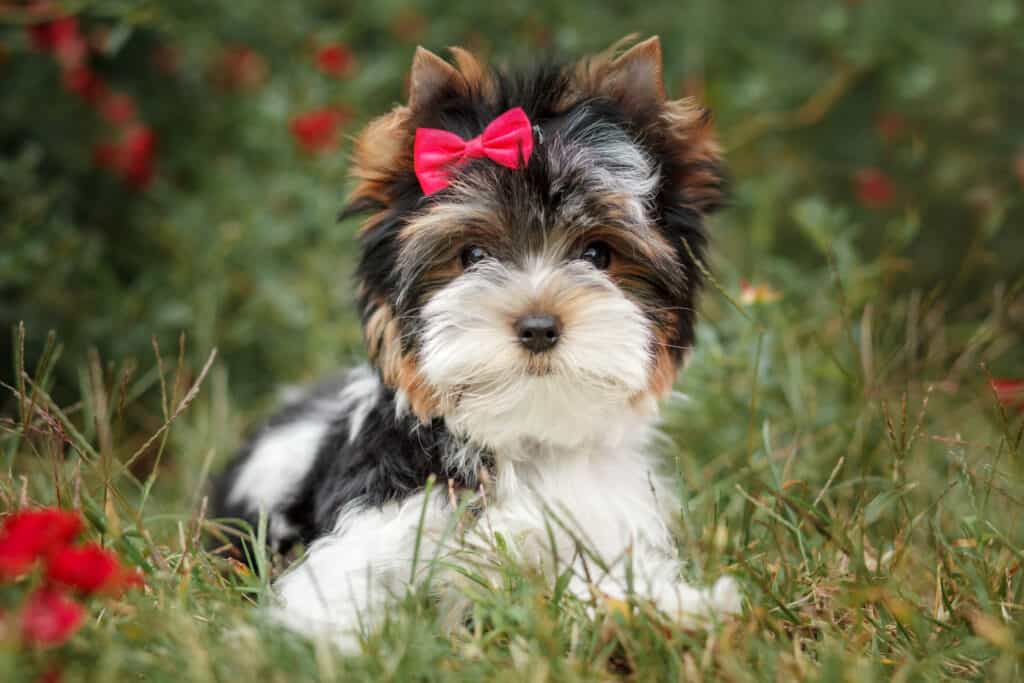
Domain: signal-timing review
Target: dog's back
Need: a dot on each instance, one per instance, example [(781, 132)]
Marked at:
[(343, 442)]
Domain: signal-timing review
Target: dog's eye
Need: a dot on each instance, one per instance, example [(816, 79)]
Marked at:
[(472, 255), (597, 254)]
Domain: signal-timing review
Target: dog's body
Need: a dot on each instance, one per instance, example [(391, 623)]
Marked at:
[(523, 315)]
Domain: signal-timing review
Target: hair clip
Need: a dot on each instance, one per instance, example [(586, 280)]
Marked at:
[(505, 141)]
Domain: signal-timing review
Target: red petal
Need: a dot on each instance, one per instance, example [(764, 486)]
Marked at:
[(30, 534), (334, 60), (138, 148), (1009, 392), (874, 188), (118, 108), (15, 560), (39, 36), (131, 157), (49, 36), (73, 52), (316, 130), (50, 617), (89, 569), (83, 81)]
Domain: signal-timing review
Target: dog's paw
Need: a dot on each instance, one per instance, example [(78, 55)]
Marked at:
[(696, 608), (726, 599)]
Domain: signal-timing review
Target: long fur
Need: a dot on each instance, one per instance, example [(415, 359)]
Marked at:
[(453, 396)]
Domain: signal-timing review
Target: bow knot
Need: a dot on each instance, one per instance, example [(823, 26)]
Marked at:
[(507, 140)]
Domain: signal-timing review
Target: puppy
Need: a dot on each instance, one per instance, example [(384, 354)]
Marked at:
[(527, 283)]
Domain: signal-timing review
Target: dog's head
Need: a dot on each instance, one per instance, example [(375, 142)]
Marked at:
[(546, 300)]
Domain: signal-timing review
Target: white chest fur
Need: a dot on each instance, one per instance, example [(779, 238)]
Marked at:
[(605, 505), (603, 498)]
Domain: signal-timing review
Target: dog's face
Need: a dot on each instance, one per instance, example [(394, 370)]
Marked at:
[(549, 300)]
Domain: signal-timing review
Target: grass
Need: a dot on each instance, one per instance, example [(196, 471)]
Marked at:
[(839, 450), (841, 454)]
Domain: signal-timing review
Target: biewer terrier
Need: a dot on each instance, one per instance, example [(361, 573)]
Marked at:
[(527, 282)]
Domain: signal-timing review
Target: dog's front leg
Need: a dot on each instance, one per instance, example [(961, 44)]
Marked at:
[(657, 578), (338, 591), (653, 577)]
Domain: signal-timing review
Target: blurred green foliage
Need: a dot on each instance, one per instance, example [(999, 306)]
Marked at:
[(236, 243), (843, 453)]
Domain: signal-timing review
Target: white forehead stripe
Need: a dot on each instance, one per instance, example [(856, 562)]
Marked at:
[(607, 155)]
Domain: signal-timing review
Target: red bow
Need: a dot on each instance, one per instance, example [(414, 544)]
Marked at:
[(506, 140)]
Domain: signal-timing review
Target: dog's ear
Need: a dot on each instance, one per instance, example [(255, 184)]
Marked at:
[(684, 129), (698, 171), (634, 78), (381, 153), (383, 150), (473, 72), (430, 78)]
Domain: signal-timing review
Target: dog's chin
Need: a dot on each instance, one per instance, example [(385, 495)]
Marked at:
[(541, 405)]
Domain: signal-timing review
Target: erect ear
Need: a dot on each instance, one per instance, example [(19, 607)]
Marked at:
[(473, 72), (699, 171), (430, 77), (634, 77), (380, 154)]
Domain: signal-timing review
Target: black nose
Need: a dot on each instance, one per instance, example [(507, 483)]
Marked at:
[(538, 331)]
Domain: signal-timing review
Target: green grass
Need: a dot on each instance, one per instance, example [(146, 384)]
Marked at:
[(842, 456), (839, 451)]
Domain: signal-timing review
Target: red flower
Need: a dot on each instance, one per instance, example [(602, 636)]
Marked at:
[(14, 560), (83, 81), (317, 130), (335, 60), (46, 37), (131, 157), (1010, 392), (138, 148), (90, 569), (874, 188), (30, 534), (50, 617), (61, 38), (118, 108)]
